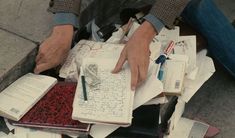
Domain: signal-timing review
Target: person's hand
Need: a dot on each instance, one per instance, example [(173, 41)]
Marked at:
[(137, 53), (54, 49)]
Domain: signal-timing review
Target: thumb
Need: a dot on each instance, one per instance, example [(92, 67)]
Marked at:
[(41, 67)]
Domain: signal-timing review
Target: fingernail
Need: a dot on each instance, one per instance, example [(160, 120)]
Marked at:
[(133, 88), (35, 71), (113, 71)]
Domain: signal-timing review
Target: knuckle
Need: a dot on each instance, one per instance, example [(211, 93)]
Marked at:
[(133, 83), (144, 77), (54, 63), (42, 53)]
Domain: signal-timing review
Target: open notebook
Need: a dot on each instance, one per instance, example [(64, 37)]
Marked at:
[(110, 99), (18, 98)]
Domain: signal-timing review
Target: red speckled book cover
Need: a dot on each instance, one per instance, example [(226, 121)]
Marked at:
[(54, 110)]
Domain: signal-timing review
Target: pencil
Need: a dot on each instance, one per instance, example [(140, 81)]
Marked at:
[(83, 84)]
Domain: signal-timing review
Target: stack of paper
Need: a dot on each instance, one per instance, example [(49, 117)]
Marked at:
[(110, 101), (197, 68), (147, 91)]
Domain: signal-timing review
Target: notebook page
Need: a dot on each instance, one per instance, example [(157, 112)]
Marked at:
[(110, 98), (143, 94), (21, 95)]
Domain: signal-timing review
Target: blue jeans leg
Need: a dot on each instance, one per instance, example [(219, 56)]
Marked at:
[(216, 28)]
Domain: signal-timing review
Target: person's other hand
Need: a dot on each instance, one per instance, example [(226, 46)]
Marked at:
[(54, 49), (137, 52)]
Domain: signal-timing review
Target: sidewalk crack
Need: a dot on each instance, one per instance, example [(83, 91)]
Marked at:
[(21, 36)]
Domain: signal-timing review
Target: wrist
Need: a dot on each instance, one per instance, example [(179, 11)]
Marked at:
[(65, 31), (148, 31), (63, 35)]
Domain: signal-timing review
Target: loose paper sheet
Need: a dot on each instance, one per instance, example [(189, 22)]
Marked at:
[(186, 45), (173, 73), (110, 98), (205, 70)]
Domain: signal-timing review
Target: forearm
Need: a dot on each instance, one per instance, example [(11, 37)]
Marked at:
[(63, 30)]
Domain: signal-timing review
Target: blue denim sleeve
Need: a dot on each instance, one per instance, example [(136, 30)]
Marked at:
[(157, 24), (66, 18), (70, 18)]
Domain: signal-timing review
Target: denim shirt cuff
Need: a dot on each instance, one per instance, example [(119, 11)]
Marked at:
[(157, 24), (66, 18)]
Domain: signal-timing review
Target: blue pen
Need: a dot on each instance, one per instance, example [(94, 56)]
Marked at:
[(161, 60), (160, 73)]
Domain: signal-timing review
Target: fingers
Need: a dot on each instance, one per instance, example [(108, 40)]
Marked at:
[(138, 75), (138, 67), (42, 62), (41, 67), (38, 57), (134, 76), (120, 62), (42, 52), (143, 71), (54, 49)]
